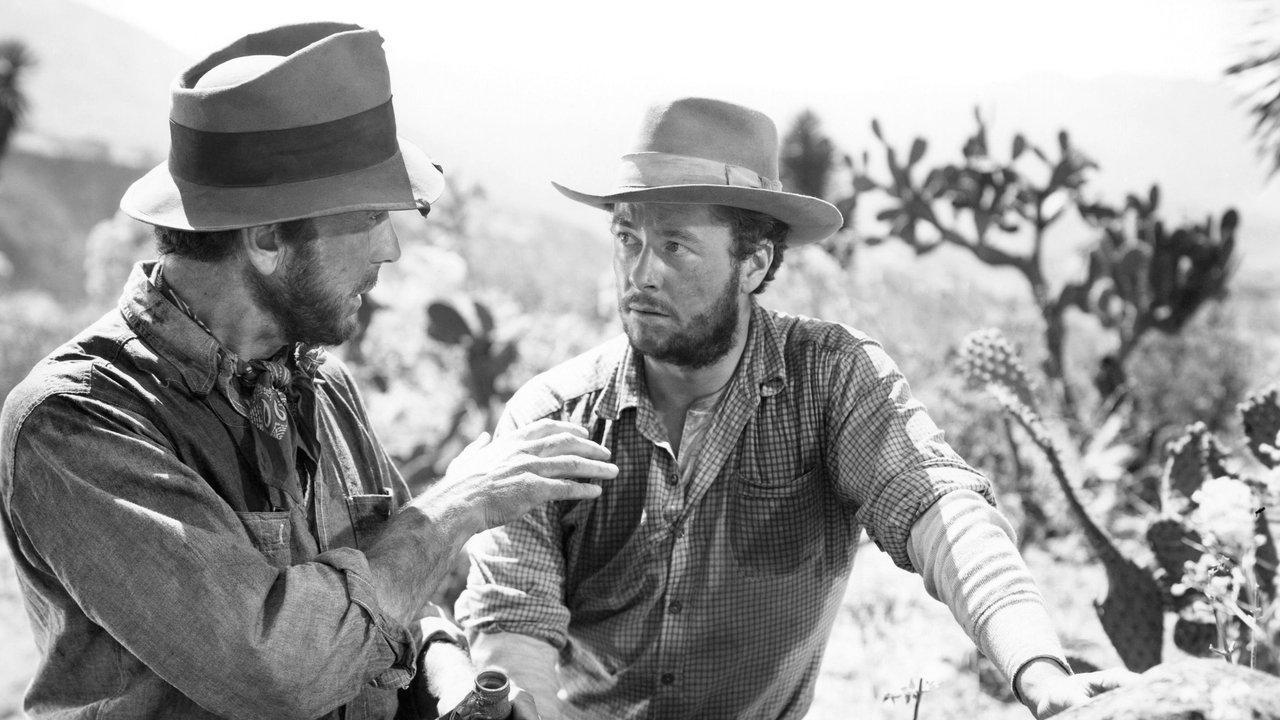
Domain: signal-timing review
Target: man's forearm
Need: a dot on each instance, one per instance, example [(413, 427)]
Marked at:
[(412, 556), (964, 549), (529, 661)]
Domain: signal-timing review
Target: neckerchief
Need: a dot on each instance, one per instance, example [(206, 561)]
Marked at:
[(279, 389)]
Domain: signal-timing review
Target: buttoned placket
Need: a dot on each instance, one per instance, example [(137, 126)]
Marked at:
[(680, 501)]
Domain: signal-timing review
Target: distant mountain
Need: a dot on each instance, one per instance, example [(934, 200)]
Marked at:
[(97, 80), (97, 118)]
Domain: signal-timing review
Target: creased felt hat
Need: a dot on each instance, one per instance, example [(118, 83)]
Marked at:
[(290, 123), (703, 151)]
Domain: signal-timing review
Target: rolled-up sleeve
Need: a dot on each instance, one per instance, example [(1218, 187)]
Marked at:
[(516, 581), (100, 505)]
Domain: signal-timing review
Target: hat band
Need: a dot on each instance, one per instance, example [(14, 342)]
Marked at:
[(274, 157), (657, 169)]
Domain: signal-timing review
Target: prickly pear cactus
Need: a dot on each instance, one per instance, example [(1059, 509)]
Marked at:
[(1195, 457), (1267, 559), (1174, 543), (1132, 611), (988, 359), (1262, 425), (1195, 637)]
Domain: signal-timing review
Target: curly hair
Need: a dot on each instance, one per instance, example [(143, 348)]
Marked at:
[(750, 229)]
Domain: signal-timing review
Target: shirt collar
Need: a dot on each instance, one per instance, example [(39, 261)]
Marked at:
[(762, 363), (166, 329)]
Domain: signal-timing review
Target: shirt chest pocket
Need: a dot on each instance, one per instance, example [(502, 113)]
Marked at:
[(777, 528), (271, 534)]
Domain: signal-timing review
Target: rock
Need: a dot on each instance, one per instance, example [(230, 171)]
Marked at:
[(1193, 689)]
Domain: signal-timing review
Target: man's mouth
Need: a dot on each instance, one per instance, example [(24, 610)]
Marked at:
[(646, 308), (643, 310)]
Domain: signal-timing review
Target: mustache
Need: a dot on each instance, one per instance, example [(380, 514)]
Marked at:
[(368, 284), (638, 301)]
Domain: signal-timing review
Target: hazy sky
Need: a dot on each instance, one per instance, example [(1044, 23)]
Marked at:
[(736, 44), (515, 93)]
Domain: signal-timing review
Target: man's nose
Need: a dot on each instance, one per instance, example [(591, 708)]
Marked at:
[(386, 244), (644, 271)]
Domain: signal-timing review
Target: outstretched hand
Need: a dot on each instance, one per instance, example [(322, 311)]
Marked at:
[(1054, 694), (491, 483), (501, 479)]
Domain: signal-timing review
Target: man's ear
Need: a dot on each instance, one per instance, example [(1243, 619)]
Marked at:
[(262, 247), (755, 267)]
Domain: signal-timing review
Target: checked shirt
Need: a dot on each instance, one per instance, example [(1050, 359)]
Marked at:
[(711, 593)]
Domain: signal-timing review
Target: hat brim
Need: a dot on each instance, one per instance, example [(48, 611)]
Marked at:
[(811, 219), (407, 180)]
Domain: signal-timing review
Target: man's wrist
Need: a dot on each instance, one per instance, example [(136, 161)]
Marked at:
[(1033, 673)]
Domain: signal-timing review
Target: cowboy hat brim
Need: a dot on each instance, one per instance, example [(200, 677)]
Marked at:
[(407, 180), (810, 219)]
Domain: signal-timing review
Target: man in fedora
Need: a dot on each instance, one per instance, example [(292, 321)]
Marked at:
[(201, 517), (752, 448)]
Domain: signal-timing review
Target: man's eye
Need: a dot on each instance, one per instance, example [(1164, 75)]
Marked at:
[(675, 248)]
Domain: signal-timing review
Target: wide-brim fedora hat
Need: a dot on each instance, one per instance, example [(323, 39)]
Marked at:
[(704, 151), (289, 123)]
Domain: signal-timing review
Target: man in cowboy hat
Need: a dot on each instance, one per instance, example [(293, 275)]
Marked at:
[(752, 448), (202, 519)]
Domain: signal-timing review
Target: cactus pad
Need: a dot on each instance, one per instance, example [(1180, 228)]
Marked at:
[(1267, 559), (1195, 637), (1132, 614), (1171, 540), (1261, 413), (1194, 458)]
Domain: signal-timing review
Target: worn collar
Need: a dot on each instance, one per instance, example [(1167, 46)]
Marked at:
[(194, 353)]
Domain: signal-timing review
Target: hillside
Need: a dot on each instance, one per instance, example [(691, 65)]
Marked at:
[(47, 207)]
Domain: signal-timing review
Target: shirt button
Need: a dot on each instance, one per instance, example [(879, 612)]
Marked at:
[(668, 678), (672, 478), (675, 607)]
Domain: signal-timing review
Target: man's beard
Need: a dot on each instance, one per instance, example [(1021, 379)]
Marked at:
[(304, 307), (703, 340)]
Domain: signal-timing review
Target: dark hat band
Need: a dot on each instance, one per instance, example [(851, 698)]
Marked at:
[(274, 157)]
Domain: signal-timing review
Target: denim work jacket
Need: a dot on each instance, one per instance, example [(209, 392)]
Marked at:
[(160, 577)]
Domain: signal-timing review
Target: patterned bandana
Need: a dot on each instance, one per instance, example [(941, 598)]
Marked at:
[(273, 385)]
